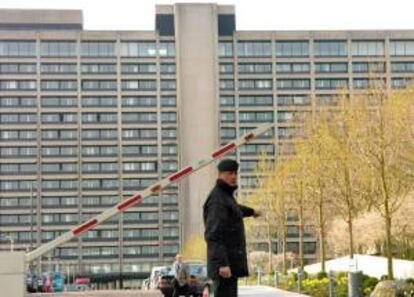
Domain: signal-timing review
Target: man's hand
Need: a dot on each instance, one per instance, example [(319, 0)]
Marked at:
[(257, 213), (225, 272)]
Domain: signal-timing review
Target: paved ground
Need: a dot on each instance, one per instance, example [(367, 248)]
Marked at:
[(261, 291), (244, 291)]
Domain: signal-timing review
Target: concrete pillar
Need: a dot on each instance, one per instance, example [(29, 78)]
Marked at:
[(196, 35), (12, 274)]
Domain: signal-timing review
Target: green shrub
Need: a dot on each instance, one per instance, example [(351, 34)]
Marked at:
[(315, 287), (321, 275)]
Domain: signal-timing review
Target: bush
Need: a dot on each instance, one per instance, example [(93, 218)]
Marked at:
[(315, 287), (368, 284), (321, 275)]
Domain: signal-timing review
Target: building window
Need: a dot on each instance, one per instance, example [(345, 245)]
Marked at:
[(99, 117), (138, 49), (168, 101), (292, 68), (58, 68), (292, 48), (58, 48), (98, 49), (139, 117), (331, 67), (168, 84), (17, 48), (255, 68), (368, 67), (331, 83), (99, 101), (226, 84), (168, 68), (59, 85), (168, 117), (97, 85), (400, 82), (226, 101), (286, 100), (367, 48), (255, 100), (226, 68), (293, 84), (254, 48), (329, 48), (225, 49), (227, 116), (129, 134), (258, 116), (98, 68), (59, 101), (226, 133), (59, 117), (255, 149), (139, 167), (402, 48), (144, 68), (18, 101), (18, 118), (402, 66), (99, 134), (255, 84), (139, 101), (166, 49), (17, 68), (20, 85), (144, 85)]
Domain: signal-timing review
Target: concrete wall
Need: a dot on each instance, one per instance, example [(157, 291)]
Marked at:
[(196, 42)]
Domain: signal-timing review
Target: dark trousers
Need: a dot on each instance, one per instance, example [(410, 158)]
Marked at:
[(180, 290), (225, 287)]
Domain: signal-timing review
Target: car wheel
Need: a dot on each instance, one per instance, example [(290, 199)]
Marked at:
[(207, 292)]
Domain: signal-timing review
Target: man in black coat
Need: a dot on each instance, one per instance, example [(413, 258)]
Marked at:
[(224, 232)]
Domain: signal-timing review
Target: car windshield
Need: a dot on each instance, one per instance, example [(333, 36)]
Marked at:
[(197, 269)]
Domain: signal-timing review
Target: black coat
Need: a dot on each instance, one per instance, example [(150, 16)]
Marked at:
[(224, 231)]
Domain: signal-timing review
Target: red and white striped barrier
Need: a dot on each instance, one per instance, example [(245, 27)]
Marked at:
[(138, 197)]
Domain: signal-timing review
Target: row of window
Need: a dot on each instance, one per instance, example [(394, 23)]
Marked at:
[(86, 201), (88, 151), (127, 101), (87, 134), (96, 85), (265, 100), (225, 68), (74, 184), (100, 235), (321, 48), (88, 117), (87, 167), (305, 84), (91, 68), (9, 48), (325, 67)]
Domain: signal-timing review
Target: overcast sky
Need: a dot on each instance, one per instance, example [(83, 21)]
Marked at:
[(250, 14)]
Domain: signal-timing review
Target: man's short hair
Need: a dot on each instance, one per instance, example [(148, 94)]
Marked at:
[(228, 165)]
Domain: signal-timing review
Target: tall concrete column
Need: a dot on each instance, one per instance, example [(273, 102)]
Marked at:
[(196, 34)]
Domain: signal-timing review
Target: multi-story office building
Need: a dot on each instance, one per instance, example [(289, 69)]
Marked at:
[(90, 117)]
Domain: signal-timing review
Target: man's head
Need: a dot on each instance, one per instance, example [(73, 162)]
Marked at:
[(179, 258), (227, 171)]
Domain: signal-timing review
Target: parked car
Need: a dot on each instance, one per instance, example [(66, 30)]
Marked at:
[(156, 272), (199, 284)]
